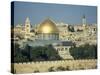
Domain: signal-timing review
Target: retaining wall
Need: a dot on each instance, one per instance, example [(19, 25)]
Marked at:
[(44, 66)]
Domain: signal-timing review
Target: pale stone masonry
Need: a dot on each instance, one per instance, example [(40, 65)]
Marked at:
[(50, 33), (44, 66)]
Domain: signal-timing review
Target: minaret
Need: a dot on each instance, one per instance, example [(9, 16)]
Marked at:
[(84, 21), (85, 27), (27, 27)]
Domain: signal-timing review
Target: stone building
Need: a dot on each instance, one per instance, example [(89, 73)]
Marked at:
[(47, 30), (63, 49), (27, 28), (57, 34), (63, 31)]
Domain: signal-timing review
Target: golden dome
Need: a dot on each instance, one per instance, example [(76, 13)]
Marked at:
[(47, 26)]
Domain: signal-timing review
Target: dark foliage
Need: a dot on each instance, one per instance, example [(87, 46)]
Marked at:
[(51, 69), (71, 28), (84, 52), (35, 53)]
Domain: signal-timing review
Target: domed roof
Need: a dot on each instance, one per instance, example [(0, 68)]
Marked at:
[(47, 26), (18, 26)]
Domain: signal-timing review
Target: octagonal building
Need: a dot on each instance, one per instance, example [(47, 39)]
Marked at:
[(47, 30)]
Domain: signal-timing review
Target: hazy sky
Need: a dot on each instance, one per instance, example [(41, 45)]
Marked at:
[(37, 12)]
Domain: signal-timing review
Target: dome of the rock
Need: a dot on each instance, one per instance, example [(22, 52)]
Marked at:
[(48, 26), (47, 30)]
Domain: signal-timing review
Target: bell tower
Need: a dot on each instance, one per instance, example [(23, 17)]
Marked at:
[(27, 27)]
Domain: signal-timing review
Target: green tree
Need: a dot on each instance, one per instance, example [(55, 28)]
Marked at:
[(51, 69), (84, 52), (71, 28)]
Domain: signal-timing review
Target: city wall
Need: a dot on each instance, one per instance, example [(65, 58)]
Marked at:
[(44, 66)]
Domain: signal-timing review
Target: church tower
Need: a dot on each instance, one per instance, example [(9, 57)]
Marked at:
[(27, 27)]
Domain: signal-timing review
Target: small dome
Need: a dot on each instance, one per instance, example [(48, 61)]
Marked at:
[(47, 26), (18, 26)]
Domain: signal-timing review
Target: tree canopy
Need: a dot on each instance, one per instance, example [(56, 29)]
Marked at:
[(84, 52), (38, 53)]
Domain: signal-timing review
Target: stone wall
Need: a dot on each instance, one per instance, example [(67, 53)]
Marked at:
[(46, 66)]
